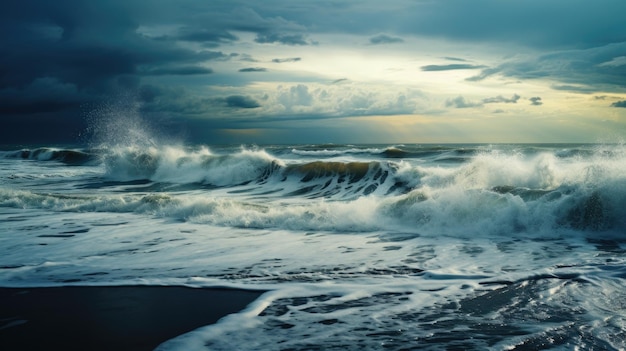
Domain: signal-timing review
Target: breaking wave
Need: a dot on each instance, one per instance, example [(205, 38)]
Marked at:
[(494, 192), (67, 156)]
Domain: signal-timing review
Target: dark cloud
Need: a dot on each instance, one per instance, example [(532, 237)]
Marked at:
[(449, 58), (574, 88), (385, 39), (621, 103), (283, 60), (486, 73), (180, 71), (247, 18), (246, 58), (450, 67), (240, 101), (500, 99), (553, 24), (286, 39), (56, 56), (460, 102), (253, 69), (209, 37), (556, 24), (45, 94), (536, 101), (580, 70)]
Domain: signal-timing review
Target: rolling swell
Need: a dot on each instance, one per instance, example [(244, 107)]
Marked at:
[(182, 166), (253, 167), (67, 156), (457, 153), (347, 179), (492, 191)]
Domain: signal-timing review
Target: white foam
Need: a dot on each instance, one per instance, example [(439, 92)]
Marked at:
[(359, 270)]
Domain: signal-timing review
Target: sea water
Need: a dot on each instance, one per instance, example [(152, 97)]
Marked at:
[(359, 247)]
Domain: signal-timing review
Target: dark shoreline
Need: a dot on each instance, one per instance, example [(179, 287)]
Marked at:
[(110, 317)]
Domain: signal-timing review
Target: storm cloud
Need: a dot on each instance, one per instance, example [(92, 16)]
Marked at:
[(253, 69), (621, 103), (184, 60), (241, 101), (500, 99), (450, 67), (461, 102), (385, 39), (289, 59)]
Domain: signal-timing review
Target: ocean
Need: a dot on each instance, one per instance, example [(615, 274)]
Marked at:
[(357, 247)]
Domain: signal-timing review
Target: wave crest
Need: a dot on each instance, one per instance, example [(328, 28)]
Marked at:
[(67, 156)]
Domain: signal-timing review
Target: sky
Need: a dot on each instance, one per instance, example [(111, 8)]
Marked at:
[(289, 71)]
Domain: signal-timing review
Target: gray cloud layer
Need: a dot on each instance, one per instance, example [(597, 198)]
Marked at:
[(385, 39), (450, 67), (461, 102), (57, 56)]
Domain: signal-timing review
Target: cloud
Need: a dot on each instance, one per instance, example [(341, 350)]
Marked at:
[(460, 102), (180, 71), (160, 52), (450, 67), (46, 94), (527, 23), (385, 39), (486, 73), (449, 58), (501, 99), (253, 69), (283, 60), (574, 88), (581, 70), (240, 101), (536, 101), (621, 103), (295, 96), (341, 100), (286, 39), (615, 62), (210, 37), (248, 19)]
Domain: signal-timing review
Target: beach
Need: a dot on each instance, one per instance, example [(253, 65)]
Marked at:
[(109, 317)]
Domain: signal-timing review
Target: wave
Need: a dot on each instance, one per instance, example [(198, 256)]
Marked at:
[(329, 152), (179, 165), (424, 211), (315, 179), (494, 191), (67, 156), (391, 152)]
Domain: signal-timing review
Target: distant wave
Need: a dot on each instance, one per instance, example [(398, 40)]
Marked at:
[(446, 153), (336, 152), (68, 156)]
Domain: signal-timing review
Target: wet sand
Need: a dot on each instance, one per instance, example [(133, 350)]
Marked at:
[(109, 318)]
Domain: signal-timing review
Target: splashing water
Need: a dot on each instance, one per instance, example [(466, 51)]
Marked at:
[(359, 246)]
